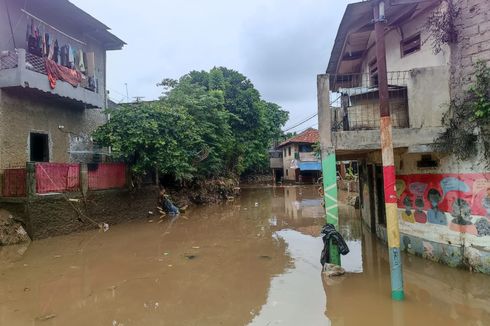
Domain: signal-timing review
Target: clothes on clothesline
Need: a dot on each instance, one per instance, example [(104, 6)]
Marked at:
[(57, 72), (73, 63)]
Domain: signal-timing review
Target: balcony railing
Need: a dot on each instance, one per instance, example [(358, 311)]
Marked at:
[(308, 157), (22, 69), (357, 107)]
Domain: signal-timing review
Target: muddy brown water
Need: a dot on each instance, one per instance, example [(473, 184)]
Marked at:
[(254, 261)]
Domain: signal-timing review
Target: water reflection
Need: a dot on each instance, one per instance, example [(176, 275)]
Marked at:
[(253, 261)]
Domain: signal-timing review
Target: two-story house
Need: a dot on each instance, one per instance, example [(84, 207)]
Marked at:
[(444, 203), (52, 81), (295, 160)]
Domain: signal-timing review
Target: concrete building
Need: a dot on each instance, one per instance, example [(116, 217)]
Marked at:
[(444, 203), (294, 160), (52, 81)]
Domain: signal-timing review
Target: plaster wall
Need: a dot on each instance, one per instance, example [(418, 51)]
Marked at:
[(20, 115)]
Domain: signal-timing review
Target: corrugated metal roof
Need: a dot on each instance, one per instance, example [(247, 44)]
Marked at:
[(68, 13)]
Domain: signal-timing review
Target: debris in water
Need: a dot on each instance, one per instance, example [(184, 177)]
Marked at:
[(159, 221), (332, 270), (150, 212), (105, 227), (170, 265), (196, 247), (57, 256), (150, 221), (27, 290), (165, 253), (256, 204), (46, 317), (190, 256), (265, 257), (75, 200)]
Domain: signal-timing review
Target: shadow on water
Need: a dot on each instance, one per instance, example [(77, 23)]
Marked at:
[(254, 261)]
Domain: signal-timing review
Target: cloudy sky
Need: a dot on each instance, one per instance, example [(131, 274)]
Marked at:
[(281, 45)]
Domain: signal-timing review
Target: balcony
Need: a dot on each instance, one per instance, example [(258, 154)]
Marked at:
[(275, 159), (22, 69), (308, 157), (416, 100)]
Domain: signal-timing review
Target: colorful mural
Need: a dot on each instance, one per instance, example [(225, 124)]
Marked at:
[(460, 201)]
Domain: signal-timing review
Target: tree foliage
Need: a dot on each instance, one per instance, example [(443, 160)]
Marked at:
[(206, 124), (468, 119)]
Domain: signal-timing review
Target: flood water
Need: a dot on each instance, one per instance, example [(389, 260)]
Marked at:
[(253, 261)]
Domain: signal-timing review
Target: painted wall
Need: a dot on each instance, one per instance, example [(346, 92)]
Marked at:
[(444, 212)]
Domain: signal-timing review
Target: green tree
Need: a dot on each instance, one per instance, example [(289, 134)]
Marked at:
[(206, 124)]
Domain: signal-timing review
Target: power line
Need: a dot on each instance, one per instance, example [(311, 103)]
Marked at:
[(308, 119), (300, 123)]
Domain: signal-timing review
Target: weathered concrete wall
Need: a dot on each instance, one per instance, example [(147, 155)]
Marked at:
[(420, 59), (287, 162), (428, 96), (22, 114), (370, 139), (473, 27), (47, 216)]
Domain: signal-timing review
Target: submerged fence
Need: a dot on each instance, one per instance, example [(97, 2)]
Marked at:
[(106, 176), (45, 178), (57, 177), (14, 182)]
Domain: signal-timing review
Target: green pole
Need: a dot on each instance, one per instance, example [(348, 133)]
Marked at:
[(329, 168)]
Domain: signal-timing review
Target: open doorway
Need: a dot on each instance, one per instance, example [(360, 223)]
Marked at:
[(39, 147)]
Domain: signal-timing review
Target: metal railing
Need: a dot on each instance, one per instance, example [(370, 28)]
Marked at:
[(10, 60), (357, 107)]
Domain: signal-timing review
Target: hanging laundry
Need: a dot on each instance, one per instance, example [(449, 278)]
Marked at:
[(71, 58), (46, 46), (57, 72), (56, 51), (81, 62), (90, 64)]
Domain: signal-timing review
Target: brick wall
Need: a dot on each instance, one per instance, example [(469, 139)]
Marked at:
[(473, 27)]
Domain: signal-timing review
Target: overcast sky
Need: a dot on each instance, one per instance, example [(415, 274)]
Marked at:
[(281, 45)]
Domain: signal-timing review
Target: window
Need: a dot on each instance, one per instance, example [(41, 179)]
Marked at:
[(426, 161), (39, 151), (289, 150), (305, 148), (287, 173), (410, 44)]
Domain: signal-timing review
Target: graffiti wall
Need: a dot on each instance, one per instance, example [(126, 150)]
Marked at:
[(461, 202)]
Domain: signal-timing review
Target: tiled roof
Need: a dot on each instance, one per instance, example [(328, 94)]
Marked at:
[(309, 136)]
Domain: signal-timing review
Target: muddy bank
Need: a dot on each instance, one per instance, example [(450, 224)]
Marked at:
[(204, 192)]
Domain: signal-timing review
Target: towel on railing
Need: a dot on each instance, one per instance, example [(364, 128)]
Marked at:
[(329, 232), (57, 72)]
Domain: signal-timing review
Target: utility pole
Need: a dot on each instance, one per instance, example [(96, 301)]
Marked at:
[(329, 168), (389, 177)]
